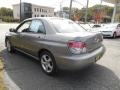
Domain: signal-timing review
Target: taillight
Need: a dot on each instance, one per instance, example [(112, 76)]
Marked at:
[(77, 47)]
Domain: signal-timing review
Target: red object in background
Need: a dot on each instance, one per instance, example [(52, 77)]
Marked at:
[(97, 16)]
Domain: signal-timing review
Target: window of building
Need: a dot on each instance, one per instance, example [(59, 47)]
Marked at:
[(40, 9), (26, 8), (35, 15), (35, 9), (27, 15), (42, 15)]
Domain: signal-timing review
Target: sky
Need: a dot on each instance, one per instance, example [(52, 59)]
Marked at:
[(53, 3)]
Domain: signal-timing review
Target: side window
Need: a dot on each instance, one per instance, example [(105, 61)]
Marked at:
[(37, 27), (118, 25), (24, 27)]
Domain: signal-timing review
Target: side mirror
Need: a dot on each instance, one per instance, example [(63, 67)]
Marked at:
[(12, 30)]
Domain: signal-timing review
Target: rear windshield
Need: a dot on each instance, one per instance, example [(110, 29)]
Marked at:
[(66, 26), (96, 26)]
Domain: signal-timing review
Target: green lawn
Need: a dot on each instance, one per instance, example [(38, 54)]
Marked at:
[(2, 85)]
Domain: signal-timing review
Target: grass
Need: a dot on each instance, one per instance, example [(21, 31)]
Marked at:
[(2, 85)]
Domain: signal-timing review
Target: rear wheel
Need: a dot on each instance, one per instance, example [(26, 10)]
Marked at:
[(9, 46), (48, 64)]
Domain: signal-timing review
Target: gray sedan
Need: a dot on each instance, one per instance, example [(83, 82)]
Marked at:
[(57, 43)]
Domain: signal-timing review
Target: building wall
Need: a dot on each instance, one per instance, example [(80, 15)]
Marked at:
[(16, 11), (41, 11), (36, 11)]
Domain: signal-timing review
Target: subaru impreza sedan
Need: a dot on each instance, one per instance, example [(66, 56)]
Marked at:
[(57, 43)]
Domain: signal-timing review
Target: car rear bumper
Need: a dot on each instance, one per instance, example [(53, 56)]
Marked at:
[(77, 62)]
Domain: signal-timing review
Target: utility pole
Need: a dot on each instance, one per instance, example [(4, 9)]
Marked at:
[(114, 12), (70, 10), (20, 11), (86, 14), (101, 2)]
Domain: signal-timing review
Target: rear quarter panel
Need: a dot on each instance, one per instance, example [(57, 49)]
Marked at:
[(55, 44)]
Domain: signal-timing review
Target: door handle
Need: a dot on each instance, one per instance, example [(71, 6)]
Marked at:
[(40, 37)]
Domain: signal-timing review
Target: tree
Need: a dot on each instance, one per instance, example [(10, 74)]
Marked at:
[(104, 11), (6, 12), (75, 12), (118, 17)]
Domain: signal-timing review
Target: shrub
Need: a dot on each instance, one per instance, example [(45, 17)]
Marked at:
[(9, 19)]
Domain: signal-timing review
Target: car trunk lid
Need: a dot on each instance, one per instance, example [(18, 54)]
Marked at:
[(91, 39), (93, 42)]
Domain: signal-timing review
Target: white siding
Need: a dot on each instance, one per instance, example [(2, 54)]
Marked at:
[(40, 11), (16, 11)]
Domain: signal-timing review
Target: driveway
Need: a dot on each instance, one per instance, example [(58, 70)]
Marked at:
[(26, 72)]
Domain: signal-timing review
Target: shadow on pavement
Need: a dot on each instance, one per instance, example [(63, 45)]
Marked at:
[(117, 38), (26, 73)]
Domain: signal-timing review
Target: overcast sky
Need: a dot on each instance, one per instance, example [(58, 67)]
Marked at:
[(52, 3)]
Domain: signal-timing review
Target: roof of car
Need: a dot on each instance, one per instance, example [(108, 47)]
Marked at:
[(44, 18)]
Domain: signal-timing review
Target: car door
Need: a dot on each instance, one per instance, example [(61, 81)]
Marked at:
[(16, 37), (33, 37)]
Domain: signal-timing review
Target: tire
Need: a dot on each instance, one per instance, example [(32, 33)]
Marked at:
[(48, 63), (9, 46), (114, 35)]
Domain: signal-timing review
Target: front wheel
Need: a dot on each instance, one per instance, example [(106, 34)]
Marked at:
[(48, 64), (114, 35)]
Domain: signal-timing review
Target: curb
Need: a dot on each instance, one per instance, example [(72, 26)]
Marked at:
[(10, 85)]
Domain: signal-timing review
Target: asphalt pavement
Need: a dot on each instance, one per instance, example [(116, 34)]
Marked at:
[(26, 73)]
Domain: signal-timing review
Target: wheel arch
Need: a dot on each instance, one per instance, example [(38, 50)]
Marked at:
[(42, 50), (54, 61)]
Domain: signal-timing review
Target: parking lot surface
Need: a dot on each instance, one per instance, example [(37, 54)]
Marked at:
[(27, 75)]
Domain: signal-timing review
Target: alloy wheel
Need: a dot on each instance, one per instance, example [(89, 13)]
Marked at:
[(46, 63)]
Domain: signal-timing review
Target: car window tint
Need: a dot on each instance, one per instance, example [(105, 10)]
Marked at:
[(24, 27), (37, 27)]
